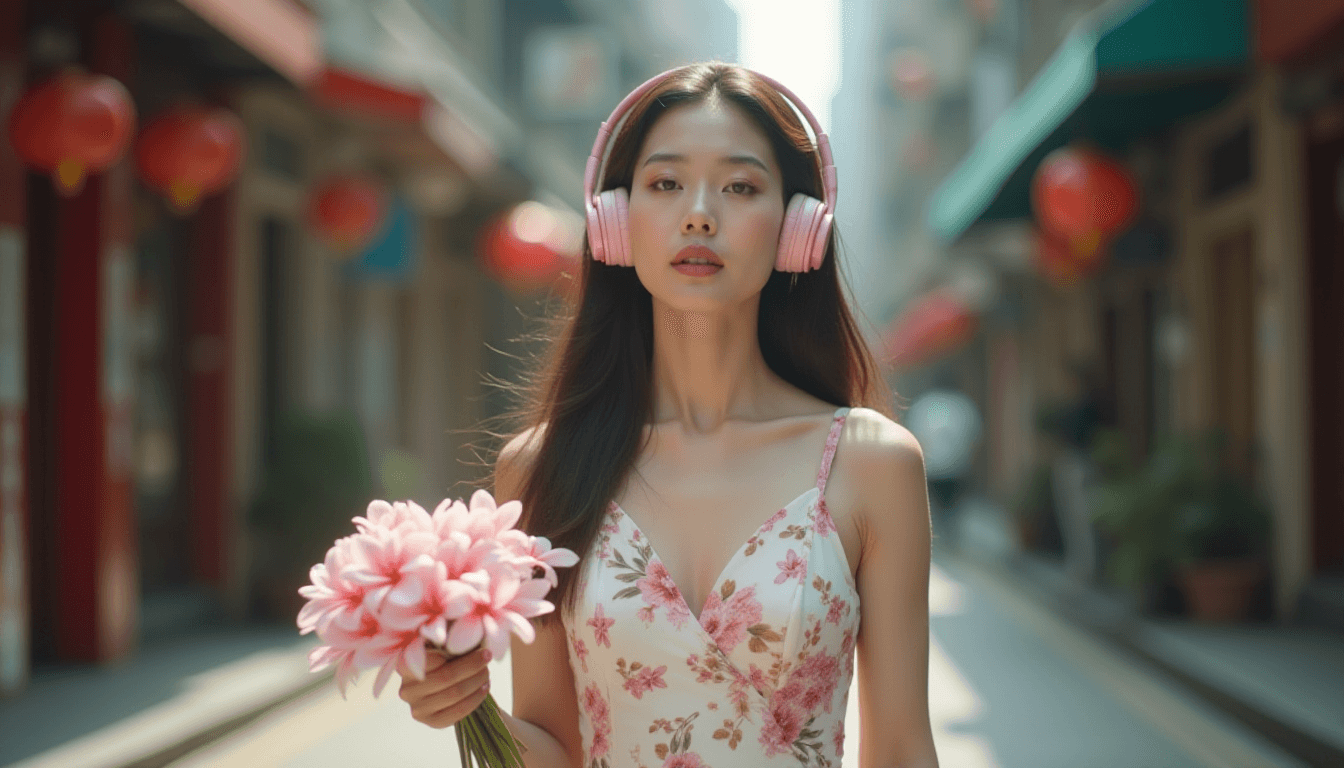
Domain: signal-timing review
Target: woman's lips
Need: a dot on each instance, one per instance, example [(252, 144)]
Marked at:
[(699, 252), (697, 270)]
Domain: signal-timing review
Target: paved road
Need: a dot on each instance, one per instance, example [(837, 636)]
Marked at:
[(1010, 686)]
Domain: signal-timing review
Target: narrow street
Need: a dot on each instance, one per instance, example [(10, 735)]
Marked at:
[(1011, 686)]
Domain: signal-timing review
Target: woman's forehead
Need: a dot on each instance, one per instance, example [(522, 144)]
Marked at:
[(708, 129)]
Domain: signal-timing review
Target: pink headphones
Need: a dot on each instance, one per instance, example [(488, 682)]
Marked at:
[(807, 220)]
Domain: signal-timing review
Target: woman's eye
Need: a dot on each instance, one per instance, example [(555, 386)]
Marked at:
[(663, 185), (741, 188)]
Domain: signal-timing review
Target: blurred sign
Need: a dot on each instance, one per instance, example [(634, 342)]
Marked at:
[(569, 72)]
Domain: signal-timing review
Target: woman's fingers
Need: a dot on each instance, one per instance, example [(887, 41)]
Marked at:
[(441, 674), (454, 713), (449, 692), (435, 704)]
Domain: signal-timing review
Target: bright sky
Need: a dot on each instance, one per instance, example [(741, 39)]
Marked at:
[(797, 42)]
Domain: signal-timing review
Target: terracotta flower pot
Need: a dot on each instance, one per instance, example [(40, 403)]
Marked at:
[(1221, 590)]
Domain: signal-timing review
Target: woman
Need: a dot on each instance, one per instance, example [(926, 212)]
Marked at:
[(688, 399)]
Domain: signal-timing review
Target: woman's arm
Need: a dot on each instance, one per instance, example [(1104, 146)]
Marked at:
[(887, 466), (545, 709)]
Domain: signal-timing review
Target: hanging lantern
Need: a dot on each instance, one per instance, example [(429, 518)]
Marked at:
[(933, 325), (189, 151), (347, 210), (72, 124), (529, 247), (1063, 262), (1083, 196)]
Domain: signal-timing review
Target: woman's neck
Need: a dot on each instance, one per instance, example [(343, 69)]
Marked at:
[(708, 368)]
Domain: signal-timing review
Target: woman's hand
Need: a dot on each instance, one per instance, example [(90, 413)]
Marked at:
[(450, 691)]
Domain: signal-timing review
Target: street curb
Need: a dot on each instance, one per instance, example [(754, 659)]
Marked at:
[(207, 736), (209, 704), (1108, 620)]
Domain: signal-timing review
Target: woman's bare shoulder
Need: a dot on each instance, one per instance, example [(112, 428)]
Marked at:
[(877, 437), (883, 461)]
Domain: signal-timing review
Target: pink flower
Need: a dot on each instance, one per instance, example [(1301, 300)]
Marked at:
[(783, 722), (769, 525), (600, 625), (422, 601), (379, 555), (791, 567), (837, 609), (599, 715), (498, 601), (536, 551), (659, 591), (331, 594), (683, 760), (756, 676), (343, 642), (580, 650), (645, 680), (838, 739), (402, 516), (823, 524), (727, 621)]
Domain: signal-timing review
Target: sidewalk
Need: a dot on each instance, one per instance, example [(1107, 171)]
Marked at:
[(169, 698), (1284, 681)]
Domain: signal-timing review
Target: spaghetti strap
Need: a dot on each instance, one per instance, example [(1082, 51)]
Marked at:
[(832, 440)]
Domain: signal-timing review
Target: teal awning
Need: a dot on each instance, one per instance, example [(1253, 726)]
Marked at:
[(1114, 78)]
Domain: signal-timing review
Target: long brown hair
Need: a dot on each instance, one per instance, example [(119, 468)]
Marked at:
[(591, 395)]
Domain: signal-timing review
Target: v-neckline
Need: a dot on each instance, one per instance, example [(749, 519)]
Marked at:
[(718, 580)]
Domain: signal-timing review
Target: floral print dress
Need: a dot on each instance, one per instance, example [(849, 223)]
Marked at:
[(761, 679)]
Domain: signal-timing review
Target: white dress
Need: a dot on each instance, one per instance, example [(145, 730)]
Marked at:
[(761, 679)]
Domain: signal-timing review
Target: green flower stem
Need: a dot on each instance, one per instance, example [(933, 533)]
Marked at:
[(482, 737)]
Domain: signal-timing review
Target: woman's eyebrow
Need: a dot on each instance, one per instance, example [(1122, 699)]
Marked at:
[(671, 157)]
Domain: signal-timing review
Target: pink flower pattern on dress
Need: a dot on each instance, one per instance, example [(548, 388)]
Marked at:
[(765, 670), (660, 591), (791, 567), (727, 620), (600, 625), (645, 680)]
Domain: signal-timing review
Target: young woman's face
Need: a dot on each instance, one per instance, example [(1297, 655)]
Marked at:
[(706, 177)]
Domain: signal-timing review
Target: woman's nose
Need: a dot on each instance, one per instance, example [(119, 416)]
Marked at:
[(699, 221)]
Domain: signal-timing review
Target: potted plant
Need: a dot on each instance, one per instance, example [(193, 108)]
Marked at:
[(315, 480), (1224, 547), (1182, 514), (1135, 507)]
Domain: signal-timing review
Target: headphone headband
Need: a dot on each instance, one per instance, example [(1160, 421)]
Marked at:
[(590, 170)]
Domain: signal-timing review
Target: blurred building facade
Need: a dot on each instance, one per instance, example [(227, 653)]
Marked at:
[(150, 359), (1216, 308)]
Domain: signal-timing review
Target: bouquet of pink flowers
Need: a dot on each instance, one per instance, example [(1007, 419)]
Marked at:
[(408, 582)]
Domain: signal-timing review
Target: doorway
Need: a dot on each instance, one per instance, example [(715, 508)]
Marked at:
[(1325, 297)]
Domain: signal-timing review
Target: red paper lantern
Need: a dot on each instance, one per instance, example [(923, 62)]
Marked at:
[(528, 247), (189, 151), (347, 210), (1083, 196), (71, 124), (934, 324), (1063, 262)]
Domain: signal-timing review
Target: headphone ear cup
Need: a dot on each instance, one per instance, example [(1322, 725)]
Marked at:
[(607, 226), (797, 239), (788, 233), (596, 242), (622, 224), (817, 253)]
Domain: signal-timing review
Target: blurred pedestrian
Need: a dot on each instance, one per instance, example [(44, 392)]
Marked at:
[(947, 425)]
